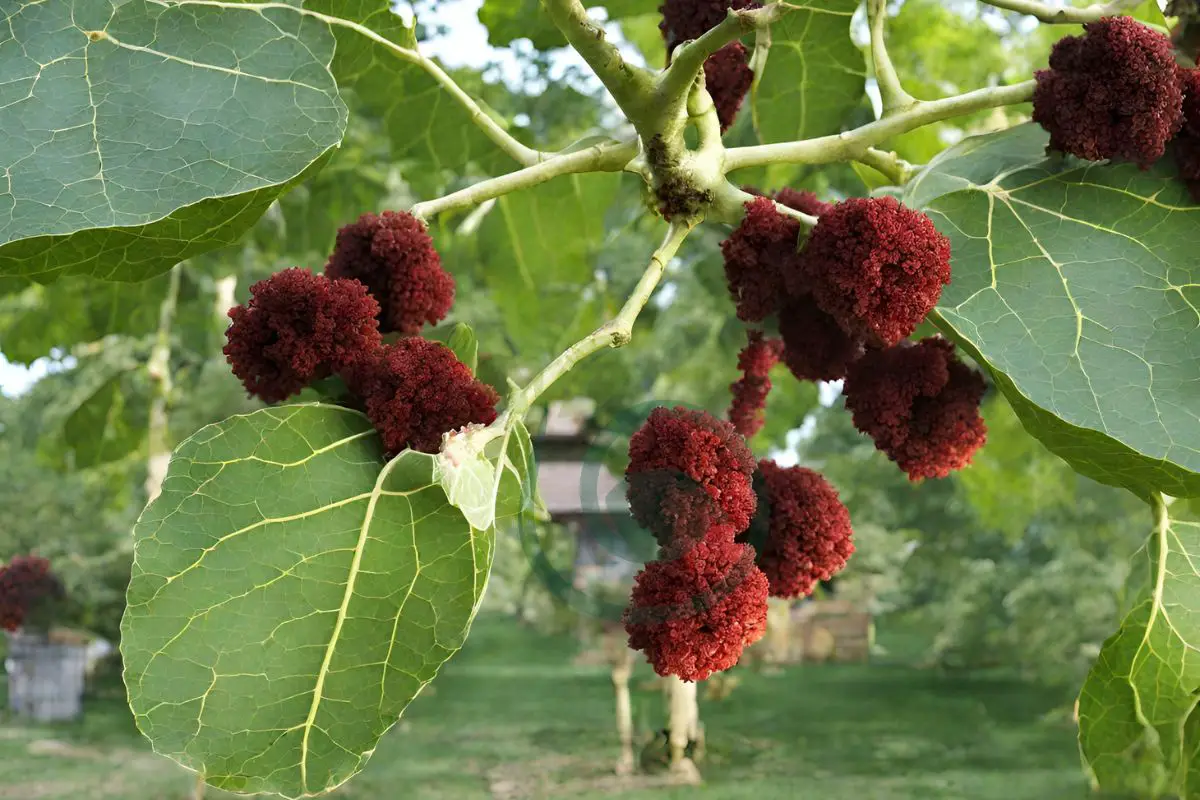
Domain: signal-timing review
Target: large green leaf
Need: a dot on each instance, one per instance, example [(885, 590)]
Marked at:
[(291, 595), (139, 133), (509, 20), (426, 125), (815, 74), (1137, 723), (1078, 285)]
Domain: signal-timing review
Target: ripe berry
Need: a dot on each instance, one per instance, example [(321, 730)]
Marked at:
[(802, 531), (676, 510), (920, 404), (1186, 146), (394, 256), (727, 77), (692, 616), (815, 346), (747, 412), (759, 256), (415, 390), (26, 582), (299, 327), (875, 266), (1111, 93), (691, 19), (697, 446)]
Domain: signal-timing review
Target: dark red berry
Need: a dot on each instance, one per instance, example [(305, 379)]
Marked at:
[(875, 266), (692, 616), (1112, 93), (676, 510), (747, 411), (299, 327), (802, 200), (727, 77), (759, 255), (691, 19), (801, 530), (394, 256), (26, 583), (815, 346), (415, 391), (920, 404)]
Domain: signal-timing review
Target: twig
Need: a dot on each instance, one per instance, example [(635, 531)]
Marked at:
[(1061, 14), (890, 165), (856, 143), (892, 93)]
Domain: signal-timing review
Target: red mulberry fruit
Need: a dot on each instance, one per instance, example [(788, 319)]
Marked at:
[(815, 346), (759, 256), (802, 531), (747, 412), (1111, 93), (727, 76), (696, 445), (676, 510), (299, 327), (26, 583), (874, 266), (394, 256), (803, 201), (415, 390), (1187, 144), (690, 19), (693, 616), (920, 404)]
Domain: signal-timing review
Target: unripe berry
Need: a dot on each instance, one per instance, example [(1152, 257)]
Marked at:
[(920, 404), (393, 255), (299, 327), (1111, 93), (875, 266)]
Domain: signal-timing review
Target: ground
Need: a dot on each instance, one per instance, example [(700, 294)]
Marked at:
[(511, 718)]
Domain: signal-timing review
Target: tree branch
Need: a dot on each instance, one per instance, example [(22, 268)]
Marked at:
[(893, 94), (1062, 14), (688, 59), (614, 333), (491, 128), (855, 144), (631, 86), (894, 168), (604, 157)]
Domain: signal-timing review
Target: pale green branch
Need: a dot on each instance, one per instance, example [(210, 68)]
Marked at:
[(631, 86), (490, 127), (614, 333), (1062, 14), (688, 59), (894, 168), (855, 144), (605, 157), (730, 207), (892, 93)]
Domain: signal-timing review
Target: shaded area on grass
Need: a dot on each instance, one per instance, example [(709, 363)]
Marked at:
[(511, 717)]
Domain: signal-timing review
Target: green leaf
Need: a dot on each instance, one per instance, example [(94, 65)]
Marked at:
[(1138, 729), (465, 346), (507, 21), (872, 178), (426, 125), (486, 472), (141, 133), (1077, 285), (815, 74), (290, 596)]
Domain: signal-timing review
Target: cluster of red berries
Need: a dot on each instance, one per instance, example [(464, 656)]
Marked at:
[(26, 582), (731, 532), (1116, 92), (845, 300), (727, 73), (384, 276)]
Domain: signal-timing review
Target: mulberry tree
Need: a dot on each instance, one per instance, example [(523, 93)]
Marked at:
[(308, 567)]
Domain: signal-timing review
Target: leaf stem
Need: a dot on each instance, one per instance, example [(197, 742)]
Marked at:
[(609, 156), (894, 168), (491, 128), (1061, 14), (614, 333), (631, 86), (893, 94), (855, 144)]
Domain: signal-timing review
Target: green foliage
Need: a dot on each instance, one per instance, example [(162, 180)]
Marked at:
[(81, 77), (1076, 285), (285, 503)]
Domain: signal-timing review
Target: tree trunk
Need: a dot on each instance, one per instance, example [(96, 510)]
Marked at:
[(622, 669), (683, 726)]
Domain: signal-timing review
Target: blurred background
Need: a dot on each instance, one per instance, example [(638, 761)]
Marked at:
[(943, 663)]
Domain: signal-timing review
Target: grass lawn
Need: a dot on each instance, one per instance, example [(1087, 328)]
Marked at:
[(510, 718)]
